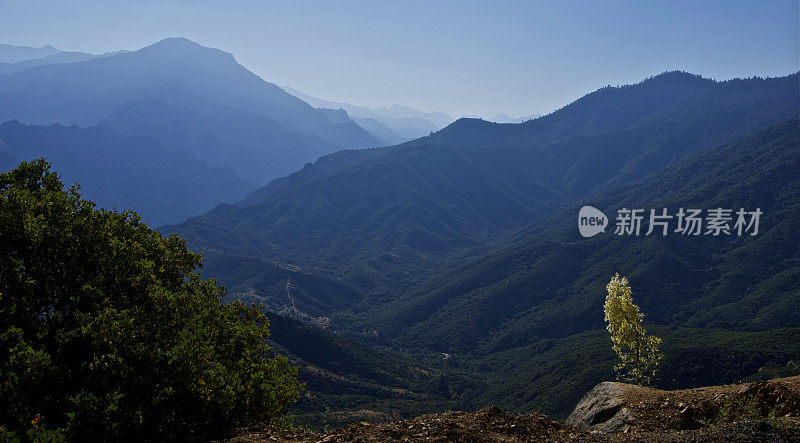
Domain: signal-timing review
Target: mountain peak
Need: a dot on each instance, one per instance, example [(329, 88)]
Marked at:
[(176, 42), (182, 46), (679, 76)]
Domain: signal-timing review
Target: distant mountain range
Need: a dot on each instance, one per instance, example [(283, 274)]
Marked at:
[(19, 58), (187, 97), (86, 92), (404, 122), (464, 242), (14, 54), (182, 96), (503, 118)]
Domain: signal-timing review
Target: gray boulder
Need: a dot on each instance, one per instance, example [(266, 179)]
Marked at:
[(602, 409)]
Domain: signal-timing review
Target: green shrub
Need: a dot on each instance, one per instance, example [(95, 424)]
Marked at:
[(106, 329)]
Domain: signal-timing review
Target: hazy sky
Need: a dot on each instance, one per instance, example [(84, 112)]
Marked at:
[(460, 57)]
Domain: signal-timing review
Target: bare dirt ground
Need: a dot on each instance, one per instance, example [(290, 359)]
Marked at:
[(766, 411)]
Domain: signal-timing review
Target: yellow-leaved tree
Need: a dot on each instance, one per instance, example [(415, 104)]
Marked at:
[(638, 352)]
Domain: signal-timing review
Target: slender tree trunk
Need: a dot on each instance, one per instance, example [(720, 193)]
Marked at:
[(638, 358)]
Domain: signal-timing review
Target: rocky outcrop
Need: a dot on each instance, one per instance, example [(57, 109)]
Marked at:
[(767, 411), (619, 407), (602, 409)]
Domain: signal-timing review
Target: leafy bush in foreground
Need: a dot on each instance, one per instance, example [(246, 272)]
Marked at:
[(106, 330)]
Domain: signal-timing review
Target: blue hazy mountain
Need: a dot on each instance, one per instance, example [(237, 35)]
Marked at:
[(14, 54), (374, 127), (380, 130), (404, 112), (505, 118), (338, 116), (7, 160), (256, 147), (123, 171), (403, 121), (60, 57), (19, 58), (87, 92)]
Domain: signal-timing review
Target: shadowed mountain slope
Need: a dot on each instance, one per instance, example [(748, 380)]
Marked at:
[(551, 282), (125, 172), (378, 217)]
